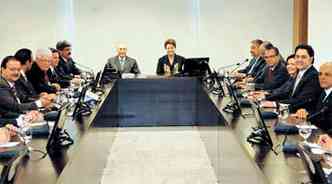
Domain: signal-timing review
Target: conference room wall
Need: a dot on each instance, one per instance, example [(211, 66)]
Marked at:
[(320, 30), (220, 29)]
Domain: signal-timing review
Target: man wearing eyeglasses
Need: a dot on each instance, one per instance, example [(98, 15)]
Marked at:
[(275, 72), (38, 73)]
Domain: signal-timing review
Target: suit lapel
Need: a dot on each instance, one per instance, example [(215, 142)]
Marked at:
[(117, 64), (11, 91), (299, 85)]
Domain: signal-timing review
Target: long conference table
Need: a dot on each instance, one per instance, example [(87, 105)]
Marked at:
[(165, 112)]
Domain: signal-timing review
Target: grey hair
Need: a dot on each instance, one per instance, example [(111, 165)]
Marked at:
[(43, 53)]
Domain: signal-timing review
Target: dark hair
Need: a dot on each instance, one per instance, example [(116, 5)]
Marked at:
[(23, 55), (309, 50), (292, 56), (271, 47), (257, 42), (62, 45), (170, 41), (6, 60), (53, 50)]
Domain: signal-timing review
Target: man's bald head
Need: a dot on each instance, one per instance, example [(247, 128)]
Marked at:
[(325, 75), (122, 49)]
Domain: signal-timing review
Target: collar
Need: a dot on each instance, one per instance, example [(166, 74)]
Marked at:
[(64, 59), (23, 74), (328, 91), (11, 84), (124, 58)]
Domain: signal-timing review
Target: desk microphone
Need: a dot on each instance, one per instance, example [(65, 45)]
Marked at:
[(232, 65)]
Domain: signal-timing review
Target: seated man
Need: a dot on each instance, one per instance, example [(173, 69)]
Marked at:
[(271, 95), (53, 73), (38, 73), (305, 90), (25, 89), (10, 104), (123, 63), (322, 115), (257, 62), (274, 73), (66, 67)]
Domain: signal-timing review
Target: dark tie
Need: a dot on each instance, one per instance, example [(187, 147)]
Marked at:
[(270, 74), (323, 95), (46, 77), (13, 89)]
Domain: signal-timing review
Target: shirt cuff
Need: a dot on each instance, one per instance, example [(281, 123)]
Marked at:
[(39, 104), (20, 121)]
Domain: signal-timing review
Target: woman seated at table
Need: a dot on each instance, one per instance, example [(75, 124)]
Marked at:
[(171, 63)]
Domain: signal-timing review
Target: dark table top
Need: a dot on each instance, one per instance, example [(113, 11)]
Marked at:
[(83, 162)]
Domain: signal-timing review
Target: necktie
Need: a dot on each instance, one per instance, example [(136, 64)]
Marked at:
[(270, 74), (324, 96), (46, 77), (15, 94), (252, 67)]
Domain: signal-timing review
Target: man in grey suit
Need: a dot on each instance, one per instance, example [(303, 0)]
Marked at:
[(121, 63)]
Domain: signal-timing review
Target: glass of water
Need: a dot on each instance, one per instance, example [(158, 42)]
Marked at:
[(305, 132)]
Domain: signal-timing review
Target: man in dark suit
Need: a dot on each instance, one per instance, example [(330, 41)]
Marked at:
[(257, 62), (38, 73), (305, 90), (53, 73), (25, 89), (275, 72), (322, 115), (122, 63), (272, 95), (66, 68), (10, 104)]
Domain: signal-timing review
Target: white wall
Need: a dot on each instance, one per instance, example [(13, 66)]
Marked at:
[(221, 29), (320, 29)]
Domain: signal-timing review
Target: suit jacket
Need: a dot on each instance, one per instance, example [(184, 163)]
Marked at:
[(54, 77), (323, 119), (306, 94), (278, 76), (9, 105), (284, 89), (37, 78), (178, 61), (129, 66), (258, 66), (67, 69), (25, 90)]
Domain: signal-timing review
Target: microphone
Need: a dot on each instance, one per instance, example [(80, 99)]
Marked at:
[(232, 65), (313, 116), (86, 68)]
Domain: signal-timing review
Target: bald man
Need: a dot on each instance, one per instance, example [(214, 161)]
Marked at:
[(121, 62), (322, 117)]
